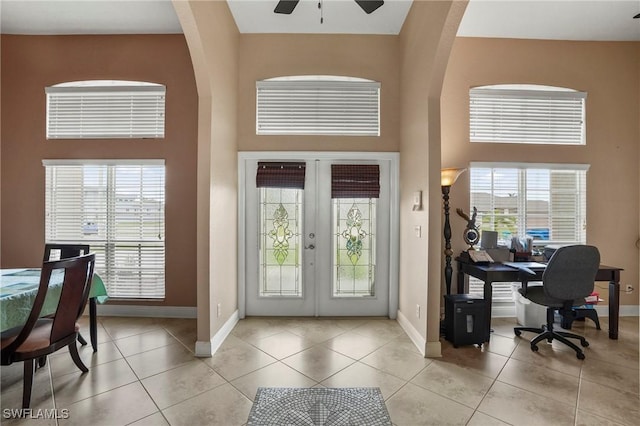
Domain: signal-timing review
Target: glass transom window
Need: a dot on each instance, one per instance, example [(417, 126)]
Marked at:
[(105, 109), (527, 114), (318, 105)]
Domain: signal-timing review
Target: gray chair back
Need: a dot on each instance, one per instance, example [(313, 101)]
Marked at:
[(571, 272)]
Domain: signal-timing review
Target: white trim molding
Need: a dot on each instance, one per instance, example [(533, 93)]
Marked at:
[(206, 349), (394, 214), (508, 310), (111, 310), (413, 334), (625, 310)]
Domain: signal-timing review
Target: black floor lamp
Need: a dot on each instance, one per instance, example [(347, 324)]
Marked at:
[(447, 178)]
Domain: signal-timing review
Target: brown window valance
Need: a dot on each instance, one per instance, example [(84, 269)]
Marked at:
[(280, 175), (355, 181)]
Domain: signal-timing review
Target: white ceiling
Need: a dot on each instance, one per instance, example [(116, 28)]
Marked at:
[(559, 19), (48, 17), (339, 17), (539, 19)]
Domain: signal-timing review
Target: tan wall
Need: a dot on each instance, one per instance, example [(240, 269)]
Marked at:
[(426, 39), (410, 68), (0, 149), (212, 37), (610, 73), (29, 64), (275, 55)]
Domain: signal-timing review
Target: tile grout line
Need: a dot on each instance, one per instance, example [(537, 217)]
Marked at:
[(53, 394), (322, 344), (577, 407)]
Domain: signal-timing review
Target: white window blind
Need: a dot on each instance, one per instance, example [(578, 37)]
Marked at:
[(527, 114), (544, 201), (105, 110), (117, 207), (318, 107)]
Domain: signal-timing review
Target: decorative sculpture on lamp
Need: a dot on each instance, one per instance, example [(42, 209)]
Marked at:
[(447, 178)]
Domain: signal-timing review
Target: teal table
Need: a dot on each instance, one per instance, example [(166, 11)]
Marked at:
[(18, 288)]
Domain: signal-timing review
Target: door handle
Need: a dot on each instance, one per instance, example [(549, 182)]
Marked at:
[(310, 247)]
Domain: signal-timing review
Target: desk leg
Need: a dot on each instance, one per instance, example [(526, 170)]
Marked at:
[(488, 295), (614, 308), (93, 323), (460, 280)]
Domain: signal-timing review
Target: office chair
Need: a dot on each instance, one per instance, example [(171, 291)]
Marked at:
[(568, 278), (581, 313)]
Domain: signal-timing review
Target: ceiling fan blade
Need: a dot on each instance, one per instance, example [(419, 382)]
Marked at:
[(286, 6), (369, 6)]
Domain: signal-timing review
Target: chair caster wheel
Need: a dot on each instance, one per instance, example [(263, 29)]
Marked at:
[(534, 348), (584, 343), (517, 332), (580, 355)]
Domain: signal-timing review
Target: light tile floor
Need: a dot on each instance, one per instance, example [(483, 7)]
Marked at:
[(145, 373)]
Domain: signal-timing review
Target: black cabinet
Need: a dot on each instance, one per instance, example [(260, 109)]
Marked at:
[(465, 319)]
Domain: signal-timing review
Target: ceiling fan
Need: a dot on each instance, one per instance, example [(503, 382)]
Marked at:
[(287, 6)]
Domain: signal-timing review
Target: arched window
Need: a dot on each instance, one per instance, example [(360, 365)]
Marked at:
[(527, 113), (318, 105), (105, 109)]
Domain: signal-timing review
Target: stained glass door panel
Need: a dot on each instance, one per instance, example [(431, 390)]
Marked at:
[(354, 247), (310, 253), (280, 265)]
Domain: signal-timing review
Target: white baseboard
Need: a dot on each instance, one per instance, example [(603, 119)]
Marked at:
[(206, 349), (625, 310), (145, 311), (503, 310), (413, 334), (508, 310)]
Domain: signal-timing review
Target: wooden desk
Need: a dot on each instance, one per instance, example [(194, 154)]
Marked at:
[(497, 272)]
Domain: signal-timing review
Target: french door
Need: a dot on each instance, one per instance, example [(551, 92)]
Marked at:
[(318, 237)]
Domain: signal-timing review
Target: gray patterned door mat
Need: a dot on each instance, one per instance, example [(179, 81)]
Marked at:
[(318, 406)]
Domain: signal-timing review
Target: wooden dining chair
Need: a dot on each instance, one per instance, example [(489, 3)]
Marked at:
[(65, 251), (40, 337)]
